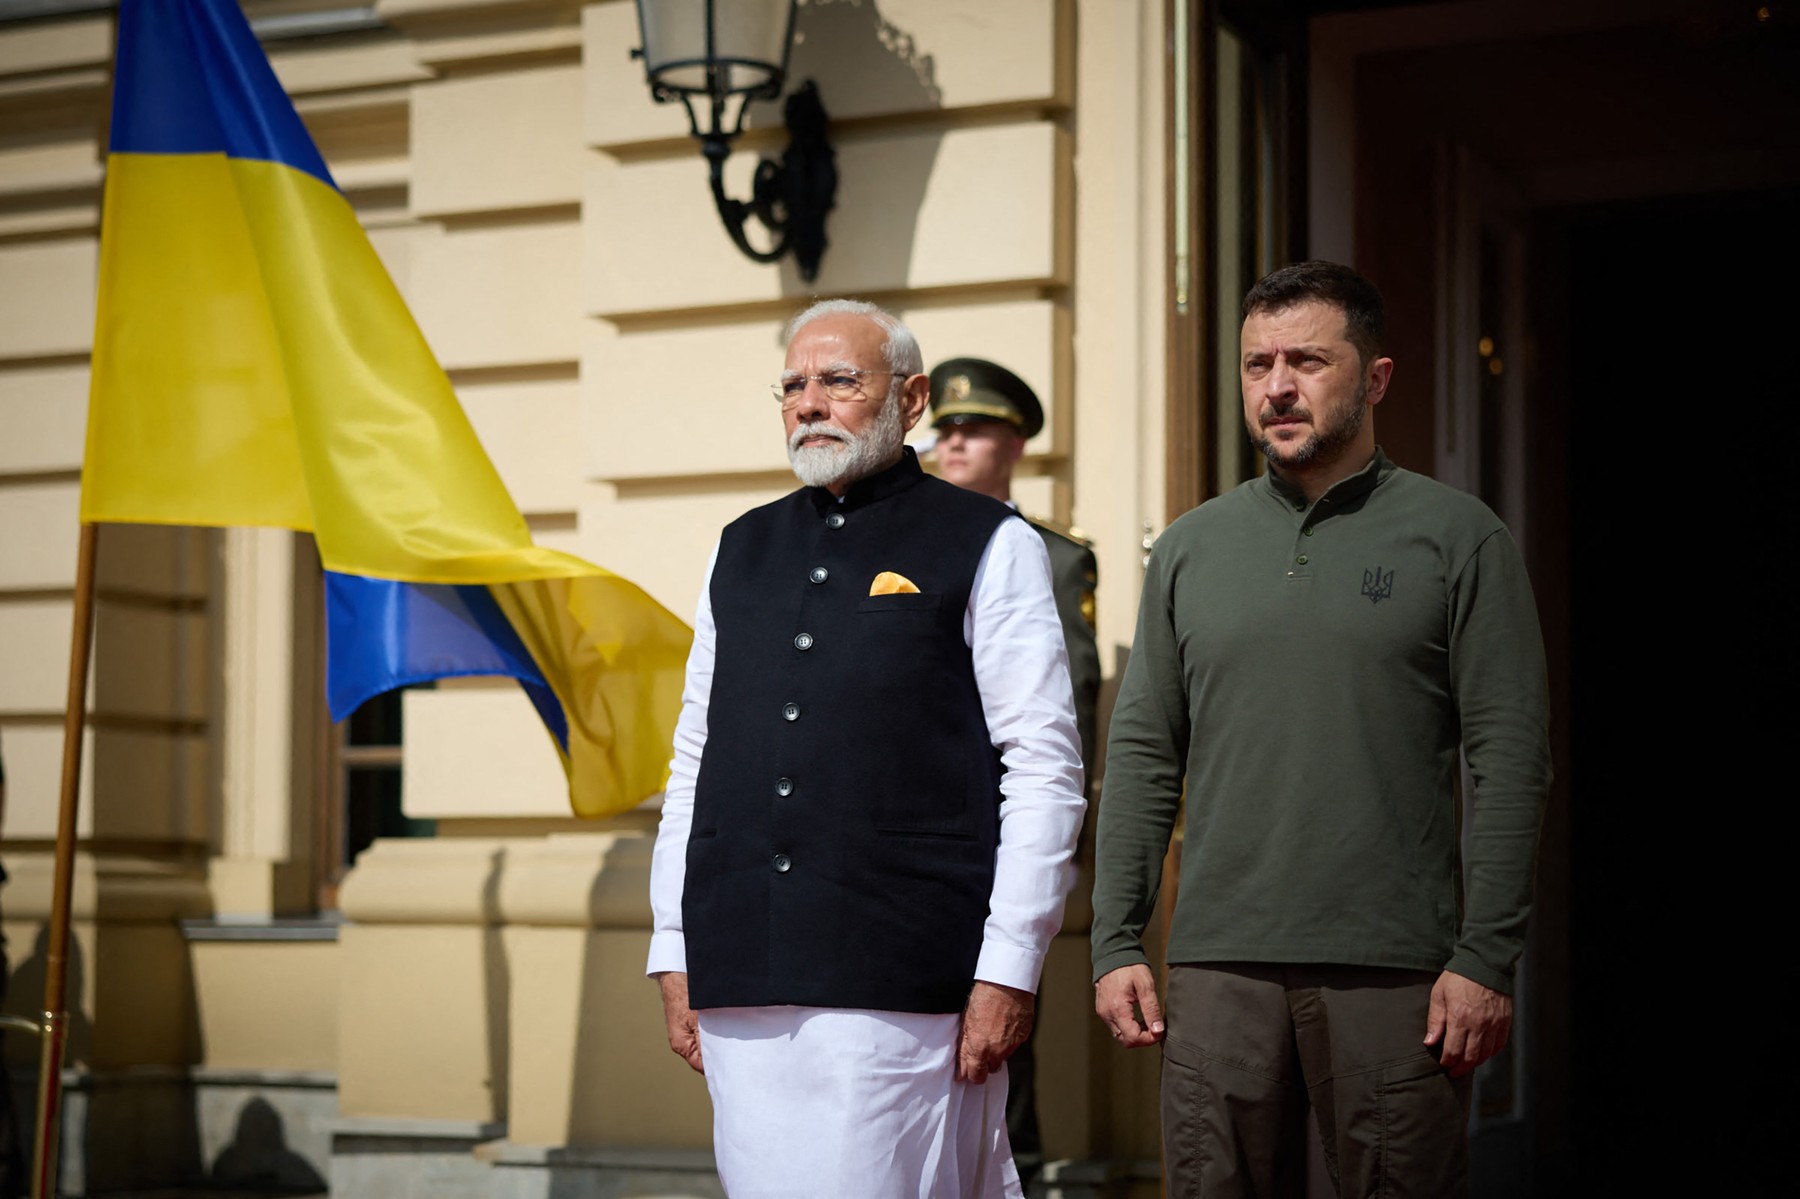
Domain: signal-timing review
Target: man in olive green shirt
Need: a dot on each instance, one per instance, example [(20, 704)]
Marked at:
[(1312, 650)]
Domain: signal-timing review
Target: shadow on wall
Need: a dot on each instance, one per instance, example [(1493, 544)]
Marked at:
[(864, 65), (621, 1042), (258, 1155), (852, 38), (145, 786), (496, 977), (25, 997)]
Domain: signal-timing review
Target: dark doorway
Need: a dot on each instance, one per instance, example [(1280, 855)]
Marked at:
[(1644, 157), (1671, 324), (1583, 219)]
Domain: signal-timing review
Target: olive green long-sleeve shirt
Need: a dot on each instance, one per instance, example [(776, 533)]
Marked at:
[(1309, 670)]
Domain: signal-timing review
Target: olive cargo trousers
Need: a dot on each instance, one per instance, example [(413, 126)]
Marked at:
[(1250, 1044)]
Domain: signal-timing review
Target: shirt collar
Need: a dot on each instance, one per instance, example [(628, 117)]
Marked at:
[(1364, 480), (872, 488)]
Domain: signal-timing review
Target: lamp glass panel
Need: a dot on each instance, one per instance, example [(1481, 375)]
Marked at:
[(750, 35)]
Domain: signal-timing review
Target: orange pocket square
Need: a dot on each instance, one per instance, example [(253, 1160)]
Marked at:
[(889, 583)]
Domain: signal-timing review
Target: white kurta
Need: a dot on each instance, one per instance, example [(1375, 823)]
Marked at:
[(795, 1089), (823, 1103)]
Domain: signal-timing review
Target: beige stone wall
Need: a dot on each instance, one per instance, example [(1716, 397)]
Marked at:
[(585, 284), (267, 1006), (551, 228), (1000, 187)]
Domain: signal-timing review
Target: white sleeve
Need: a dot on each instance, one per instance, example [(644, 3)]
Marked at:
[(668, 862), (1022, 673)]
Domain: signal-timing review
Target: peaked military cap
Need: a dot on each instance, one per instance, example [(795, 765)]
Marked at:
[(964, 390)]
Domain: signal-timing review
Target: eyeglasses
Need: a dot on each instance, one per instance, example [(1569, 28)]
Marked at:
[(844, 386)]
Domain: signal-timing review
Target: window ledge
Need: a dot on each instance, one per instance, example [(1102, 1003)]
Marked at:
[(281, 928)]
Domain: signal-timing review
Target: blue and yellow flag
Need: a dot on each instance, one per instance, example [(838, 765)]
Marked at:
[(254, 365)]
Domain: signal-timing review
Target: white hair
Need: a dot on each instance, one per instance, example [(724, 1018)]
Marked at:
[(900, 350), (855, 456)]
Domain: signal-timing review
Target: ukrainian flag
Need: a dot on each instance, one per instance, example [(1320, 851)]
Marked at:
[(254, 365)]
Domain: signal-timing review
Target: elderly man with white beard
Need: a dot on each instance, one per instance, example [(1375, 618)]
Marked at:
[(873, 804)]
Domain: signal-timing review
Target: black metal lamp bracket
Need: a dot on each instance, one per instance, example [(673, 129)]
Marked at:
[(790, 198)]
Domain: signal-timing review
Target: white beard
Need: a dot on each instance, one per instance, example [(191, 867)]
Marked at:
[(855, 456)]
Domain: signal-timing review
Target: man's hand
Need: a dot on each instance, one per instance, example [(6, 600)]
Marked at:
[(1126, 1000), (684, 1026), (1470, 1021), (996, 1021)]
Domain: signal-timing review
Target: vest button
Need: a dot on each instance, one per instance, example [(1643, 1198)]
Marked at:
[(819, 574), (1301, 559), (782, 863), (803, 641), (784, 786), (1307, 530), (835, 521), (791, 711)]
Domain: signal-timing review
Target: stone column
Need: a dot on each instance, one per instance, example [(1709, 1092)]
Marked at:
[(268, 714), (143, 825), (423, 1016), (599, 1106)]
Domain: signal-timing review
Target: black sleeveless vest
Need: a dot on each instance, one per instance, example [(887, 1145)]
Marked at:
[(847, 807)]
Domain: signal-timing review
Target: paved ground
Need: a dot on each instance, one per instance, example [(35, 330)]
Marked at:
[(179, 1193)]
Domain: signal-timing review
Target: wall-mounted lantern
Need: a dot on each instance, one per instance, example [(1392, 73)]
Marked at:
[(711, 52)]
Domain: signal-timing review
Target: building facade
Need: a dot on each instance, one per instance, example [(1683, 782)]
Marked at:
[(469, 1006), (383, 957)]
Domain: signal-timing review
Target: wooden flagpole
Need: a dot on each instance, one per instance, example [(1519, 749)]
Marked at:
[(54, 1030)]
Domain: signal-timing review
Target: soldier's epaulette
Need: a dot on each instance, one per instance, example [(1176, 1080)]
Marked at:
[(1069, 532)]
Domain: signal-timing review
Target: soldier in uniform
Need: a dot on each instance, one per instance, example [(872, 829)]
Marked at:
[(984, 414)]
